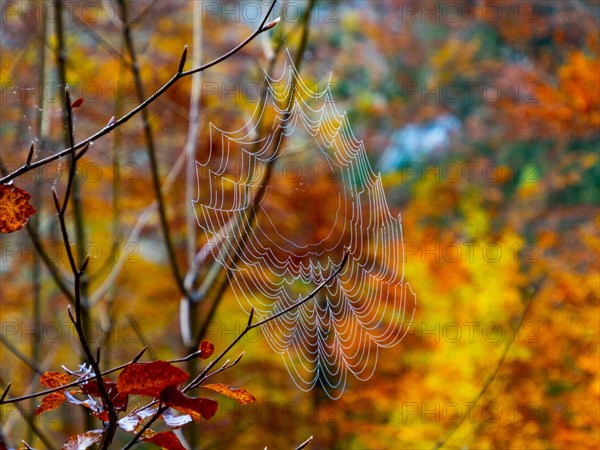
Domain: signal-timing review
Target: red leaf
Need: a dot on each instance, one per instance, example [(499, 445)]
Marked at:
[(102, 415), (83, 441), (166, 440), (207, 349), (50, 401), (149, 378), (77, 103), (54, 399), (118, 399), (242, 396), (54, 379), (195, 407)]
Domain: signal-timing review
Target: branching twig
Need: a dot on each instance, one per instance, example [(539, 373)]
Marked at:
[(78, 273), (116, 123), (243, 226), (249, 326), (31, 423), (75, 151), (85, 380), (73, 383), (204, 375)]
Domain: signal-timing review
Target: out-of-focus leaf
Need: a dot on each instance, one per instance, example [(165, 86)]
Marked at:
[(166, 440), (195, 407), (207, 348), (83, 441), (149, 378), (50, 401), (14, 208), (77, 103), (242, 396)]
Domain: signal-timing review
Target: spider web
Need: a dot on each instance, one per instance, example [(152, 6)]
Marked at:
[(324, 197)]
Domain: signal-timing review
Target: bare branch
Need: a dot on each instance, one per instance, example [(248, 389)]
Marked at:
[(112, 125)]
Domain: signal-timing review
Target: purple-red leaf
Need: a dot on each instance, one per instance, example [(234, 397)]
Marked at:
[(149, 378), (166, 440), (118, 399), (195, 407)]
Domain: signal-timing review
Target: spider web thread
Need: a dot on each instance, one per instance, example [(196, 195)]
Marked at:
[(369, 305)]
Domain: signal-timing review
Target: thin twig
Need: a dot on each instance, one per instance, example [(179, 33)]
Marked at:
[(245, 222), (226, 366), (116, 123), (31, 423), (85, 380), (31, 363), (73, 383), (492, 376), (151, 149), (249, 326), (78, 273)]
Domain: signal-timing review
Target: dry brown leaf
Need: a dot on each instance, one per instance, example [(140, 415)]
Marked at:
[(50, 401), (14, 208), (242, 396)]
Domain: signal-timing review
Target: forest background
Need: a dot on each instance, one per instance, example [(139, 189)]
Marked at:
[(483, 118)]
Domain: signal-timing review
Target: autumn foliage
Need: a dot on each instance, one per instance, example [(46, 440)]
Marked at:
[(14, 208), (500, 215)]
